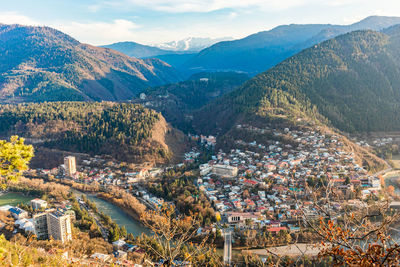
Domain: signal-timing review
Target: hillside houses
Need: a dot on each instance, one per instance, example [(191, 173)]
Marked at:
[(270, 175)]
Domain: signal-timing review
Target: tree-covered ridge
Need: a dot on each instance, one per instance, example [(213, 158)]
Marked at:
[(351, 80), (43, 64), (177, 101), (84, 126), (201, 88)]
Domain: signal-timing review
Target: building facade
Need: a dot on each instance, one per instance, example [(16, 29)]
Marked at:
[(70, 165), (53, 223), (225, 171), (40, 223), (59, 226), (38, 204)]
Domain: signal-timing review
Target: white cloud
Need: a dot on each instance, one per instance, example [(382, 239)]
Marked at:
[(232, 15), (16, 18), (343, 2), (94, 8), (100, 32), (180, 6)]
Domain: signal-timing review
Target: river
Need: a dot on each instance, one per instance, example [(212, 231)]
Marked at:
[(117, 214), (390, 180)]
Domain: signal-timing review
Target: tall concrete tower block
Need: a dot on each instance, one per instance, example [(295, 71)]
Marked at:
[(70, 165)]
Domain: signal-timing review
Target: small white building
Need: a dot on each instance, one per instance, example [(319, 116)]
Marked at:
[(118, 244), (38, 204), (225, 171)]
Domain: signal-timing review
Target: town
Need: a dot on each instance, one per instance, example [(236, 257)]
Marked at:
[(264, 182), (257, 186)]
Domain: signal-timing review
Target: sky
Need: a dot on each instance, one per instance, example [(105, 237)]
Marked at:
[(100, 22)]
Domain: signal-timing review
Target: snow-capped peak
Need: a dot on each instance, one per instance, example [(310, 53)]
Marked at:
[(191, 44)]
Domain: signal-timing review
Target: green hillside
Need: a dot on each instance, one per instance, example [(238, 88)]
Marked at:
[(120, 130), (177, 101), (201, 88), (351, 82)]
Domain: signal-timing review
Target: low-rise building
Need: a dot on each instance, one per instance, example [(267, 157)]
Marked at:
[(225, 171), (38, 204), (18, 213)]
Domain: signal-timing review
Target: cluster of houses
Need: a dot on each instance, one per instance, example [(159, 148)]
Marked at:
[(105, 173), (113, 175), (120, 253), (43, 222), (379, 142), (382, 141), (152, 201), (191, 156), (262, 182), (207, 141)]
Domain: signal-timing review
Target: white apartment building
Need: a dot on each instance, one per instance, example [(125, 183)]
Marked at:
[(40, 224), (70, 165), (56, 224), (225, 171), (59, 226)]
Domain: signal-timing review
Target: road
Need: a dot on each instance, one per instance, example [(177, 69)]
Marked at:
[(103, 230)]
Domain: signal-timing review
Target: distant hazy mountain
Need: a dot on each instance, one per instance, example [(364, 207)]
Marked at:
[(133, 49), (43, 64), (260, 51), (193, 44), (350, 82)]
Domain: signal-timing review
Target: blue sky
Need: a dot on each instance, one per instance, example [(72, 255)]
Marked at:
[(156, 21)]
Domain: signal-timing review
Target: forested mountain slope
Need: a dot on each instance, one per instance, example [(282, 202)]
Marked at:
[(124, 131), (43, 64), (177, 101), (351, 82)]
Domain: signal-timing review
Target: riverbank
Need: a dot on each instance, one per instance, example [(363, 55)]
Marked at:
[(393, 178), (121, 216), (126, 202), (113, 201)]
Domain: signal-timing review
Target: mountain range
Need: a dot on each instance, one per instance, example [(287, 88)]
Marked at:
[(259, 52), (350, 82), (189, 45), (137, 50), (252, 54), (175, 53), (43, 64), (193, 44)]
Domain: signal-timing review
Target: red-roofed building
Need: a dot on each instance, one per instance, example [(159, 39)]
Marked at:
[(276, 230)]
